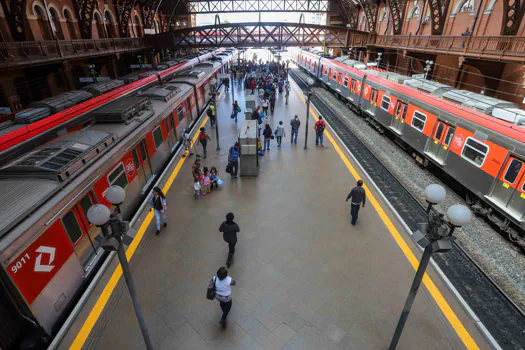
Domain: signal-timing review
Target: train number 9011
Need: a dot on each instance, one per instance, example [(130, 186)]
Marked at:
[(23, 260)]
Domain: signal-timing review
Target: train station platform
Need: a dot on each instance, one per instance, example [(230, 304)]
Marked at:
[(306, 278)]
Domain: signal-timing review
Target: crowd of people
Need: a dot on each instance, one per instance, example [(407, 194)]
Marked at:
[(205, 178)]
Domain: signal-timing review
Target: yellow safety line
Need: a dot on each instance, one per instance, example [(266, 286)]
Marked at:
[(112, 283), (427, 281)]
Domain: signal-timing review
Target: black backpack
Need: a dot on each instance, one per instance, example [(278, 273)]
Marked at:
[(320, 127)]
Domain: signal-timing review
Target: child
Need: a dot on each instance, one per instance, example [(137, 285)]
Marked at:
[(206, 180), (186, 141), (214, 177)]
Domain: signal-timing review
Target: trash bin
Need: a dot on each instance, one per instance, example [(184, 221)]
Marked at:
[(248, 143)]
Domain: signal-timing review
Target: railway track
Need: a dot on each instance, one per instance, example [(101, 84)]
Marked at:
[(502, 318)]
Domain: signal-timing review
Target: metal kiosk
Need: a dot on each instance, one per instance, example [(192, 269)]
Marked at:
[(248, 142)]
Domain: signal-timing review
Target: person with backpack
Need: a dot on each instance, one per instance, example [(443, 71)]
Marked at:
[(320, 125), (219, 288), (236, 110), (280, 133), (295, 123), (357, 196), (267, 133), (233, 159), (203, 138), (229, 230), (158, 205)]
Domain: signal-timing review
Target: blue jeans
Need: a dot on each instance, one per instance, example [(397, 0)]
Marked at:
[(354, 211), (266, 144), (318, 137), (295, 132), (235, 114), (158, 214)]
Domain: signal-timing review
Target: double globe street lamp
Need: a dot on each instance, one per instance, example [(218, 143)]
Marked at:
[(310, 83), (114, 230), (435, 236)]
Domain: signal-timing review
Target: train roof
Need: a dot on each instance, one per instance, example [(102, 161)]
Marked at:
[(31, 180), (430, 87), (395, 77)]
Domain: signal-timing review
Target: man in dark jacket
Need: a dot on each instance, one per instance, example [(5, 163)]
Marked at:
[(229, 231), (357, 196)]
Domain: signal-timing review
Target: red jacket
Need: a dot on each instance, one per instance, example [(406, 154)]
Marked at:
[(319, 122)]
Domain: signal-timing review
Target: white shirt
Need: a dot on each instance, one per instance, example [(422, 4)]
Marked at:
[(223, 287)]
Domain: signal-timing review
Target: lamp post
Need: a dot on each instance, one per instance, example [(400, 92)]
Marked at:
[(139, 58), (428, 67), (113, 230), (310, 82), (93, 72), (378, 59), (213, 84), (436, 238)]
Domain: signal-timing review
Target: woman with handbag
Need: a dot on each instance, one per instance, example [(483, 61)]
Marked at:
[(268, 136), (220, 288)]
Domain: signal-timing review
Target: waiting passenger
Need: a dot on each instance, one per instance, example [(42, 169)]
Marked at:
[(214, 177), (280, 133), (319, 131), (206, 180), (295, 123), (158, 205), (203, 138)]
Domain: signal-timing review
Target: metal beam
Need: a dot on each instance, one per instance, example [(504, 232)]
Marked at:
[(397, 10), (351, 12), (15, 15), (438, 13), (124, 8), (261, 35), (86, 9), (513, 11), (370, 7), (226, 6)]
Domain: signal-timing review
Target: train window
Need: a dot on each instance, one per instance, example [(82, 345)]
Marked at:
[(345, 81), (439, 131), (72, 227), (135, 158), (180, 113), (143, 153), (385, 103), (474, 151), (448, 137), (118, 177), (85, 204), (419, 120), (353, 84), (157, 137), (335, 76), (374, 95), (513, 170)]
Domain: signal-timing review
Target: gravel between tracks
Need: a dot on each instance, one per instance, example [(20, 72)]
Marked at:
[(501, 260)]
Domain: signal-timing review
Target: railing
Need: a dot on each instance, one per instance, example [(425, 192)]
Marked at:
[(490, 47), (29, 52)]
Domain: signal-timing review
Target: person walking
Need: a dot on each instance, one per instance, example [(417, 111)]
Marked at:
[(265, 106), (203, 138), (272, 102), (357, 196), (236, 110), (210, 112), (267, 133), (295, 123), (280, 133), (186, 142), (223, 292), (320, 125), (233, 159), (158, 205), (229, 230)]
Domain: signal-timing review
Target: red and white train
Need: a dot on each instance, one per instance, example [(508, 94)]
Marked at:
[(48, 248), (478, 140)]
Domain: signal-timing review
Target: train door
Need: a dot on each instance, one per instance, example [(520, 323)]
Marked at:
[(372, 106), (170, 127), (438, 146), (400, 115), (79, 236), (509, 190), (144, 158)]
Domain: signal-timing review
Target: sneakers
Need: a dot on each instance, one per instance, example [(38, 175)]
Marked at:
[(157, 233), (165, 224), (222, 323)]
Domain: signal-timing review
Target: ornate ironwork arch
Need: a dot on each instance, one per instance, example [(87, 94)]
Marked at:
[(86, 9), (351, 12), (438, 13), (370, 8), (513, 11), (124, 9), (15, 14), (397, 10)]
